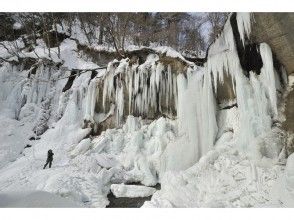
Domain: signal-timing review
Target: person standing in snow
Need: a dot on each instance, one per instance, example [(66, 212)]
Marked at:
[(49, 159)]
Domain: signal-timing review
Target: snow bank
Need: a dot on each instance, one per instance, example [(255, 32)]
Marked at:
[(137, 147), (222, 178), (131, 191)]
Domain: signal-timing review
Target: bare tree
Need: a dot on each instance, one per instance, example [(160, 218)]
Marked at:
[(118, 25)]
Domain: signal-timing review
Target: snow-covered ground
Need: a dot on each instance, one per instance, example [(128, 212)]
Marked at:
[(34, 199)]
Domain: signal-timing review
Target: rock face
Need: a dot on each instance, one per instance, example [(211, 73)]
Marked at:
[(277, 30), (145, 87), (225, 92)]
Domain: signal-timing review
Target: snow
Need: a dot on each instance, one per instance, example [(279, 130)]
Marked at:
[(73, 178), (13, 136), (79, 166), (69, 57), (17, 26), (170, 52), (34, 199), (223, 177), (131, 191), (82, 147), (283, 190)]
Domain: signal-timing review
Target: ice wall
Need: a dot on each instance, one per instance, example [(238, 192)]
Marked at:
[(140, 89), (196, 120)]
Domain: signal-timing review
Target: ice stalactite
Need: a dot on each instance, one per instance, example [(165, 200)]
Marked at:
[(92, 94), (222, 57), (113, 89), (119, 97), (244, 25), (153, 88), (268, 76)]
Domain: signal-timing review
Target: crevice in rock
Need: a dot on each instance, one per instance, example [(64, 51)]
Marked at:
[(249, 55), (70, 80)]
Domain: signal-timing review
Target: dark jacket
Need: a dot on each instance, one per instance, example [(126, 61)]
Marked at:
[(50, 155)]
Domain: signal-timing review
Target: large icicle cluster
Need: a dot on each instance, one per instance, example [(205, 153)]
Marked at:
[(256, 95), (143, 90)]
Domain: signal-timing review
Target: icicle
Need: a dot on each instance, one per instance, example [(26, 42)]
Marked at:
[(169, 86), (159, 71), (119, 102), (153, 90), (268, 76), (92, 94), (131, 79), (244, 24)]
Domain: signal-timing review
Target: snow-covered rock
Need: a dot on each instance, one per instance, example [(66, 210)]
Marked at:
[(132, 191)]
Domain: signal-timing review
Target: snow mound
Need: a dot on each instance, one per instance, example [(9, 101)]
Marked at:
[(222, 178)]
